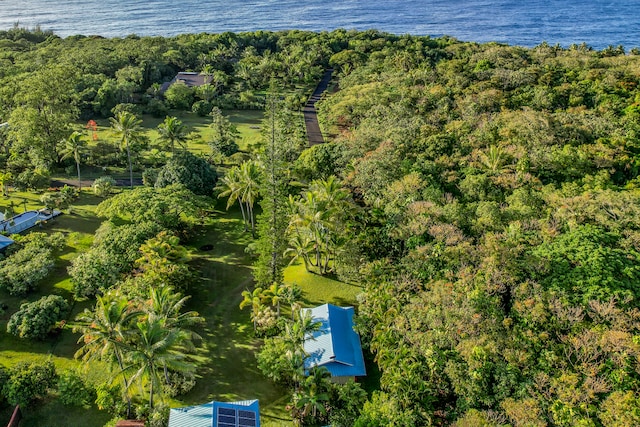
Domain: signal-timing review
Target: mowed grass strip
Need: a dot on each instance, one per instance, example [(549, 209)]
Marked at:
[(228, 369)]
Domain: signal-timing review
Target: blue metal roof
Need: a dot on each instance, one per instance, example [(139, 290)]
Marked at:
[(336, 345), (192, 416), (26, 220), (208, 414), (4, 242)]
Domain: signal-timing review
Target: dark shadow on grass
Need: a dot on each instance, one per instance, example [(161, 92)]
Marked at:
[(77, 223), (52, 412), (273, 417), (339, 301), (16, 344)]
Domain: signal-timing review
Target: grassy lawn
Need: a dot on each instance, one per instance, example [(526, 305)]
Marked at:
[(78, 227), (248, 123), (317, 290), (227, 369)]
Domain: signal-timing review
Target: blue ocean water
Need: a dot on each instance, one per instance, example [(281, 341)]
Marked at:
[(598, 23)]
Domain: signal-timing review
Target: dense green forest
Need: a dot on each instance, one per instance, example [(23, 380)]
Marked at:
[(485, 198)]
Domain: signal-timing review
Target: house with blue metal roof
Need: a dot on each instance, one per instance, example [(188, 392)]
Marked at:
[(245, 413), (335, 345)]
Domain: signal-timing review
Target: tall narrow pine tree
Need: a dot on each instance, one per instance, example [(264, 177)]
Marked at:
[(273, 221)]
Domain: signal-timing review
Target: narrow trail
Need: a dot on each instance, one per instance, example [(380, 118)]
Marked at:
[(309, 111)]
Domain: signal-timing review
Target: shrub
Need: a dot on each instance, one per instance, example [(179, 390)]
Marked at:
[(346, 402), (32, 179), (113, 253), (179, 96), (28, 382), (109, 398), (94, 271), (60, 199), (74, 391), (202, 108), (226, 147), (157, 108), (34, 320), (189, 170), (103, 186), (179, 383), (4, 378), (30, 261), (149, 177), (131, 108), (69, 194), (275, 360), (158, 416), (319, 161), (20, 273)]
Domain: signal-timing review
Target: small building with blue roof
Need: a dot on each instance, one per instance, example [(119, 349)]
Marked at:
[(335, 345), (245, 413)]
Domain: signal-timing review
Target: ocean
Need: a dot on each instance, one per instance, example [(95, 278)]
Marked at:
[(598, 23)]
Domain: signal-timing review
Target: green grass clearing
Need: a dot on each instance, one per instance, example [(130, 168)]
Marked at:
[(248, 123), (228, 367), (317, 290)]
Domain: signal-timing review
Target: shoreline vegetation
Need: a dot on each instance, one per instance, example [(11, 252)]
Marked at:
[(476, 203)]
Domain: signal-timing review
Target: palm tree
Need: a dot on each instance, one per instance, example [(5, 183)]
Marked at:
[(312, 217), (105, 331), (241, 184), (274, 294), (249, 187), (318, 216), (300, 246), (254, 299), (245, 73), (292, 296), (230, 186), (166, 305), (129, 128), (303, 325), (154, 348), (207, 71), (312, 396), (74, 146), (329, 191), (494, 160), (172, 131)]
